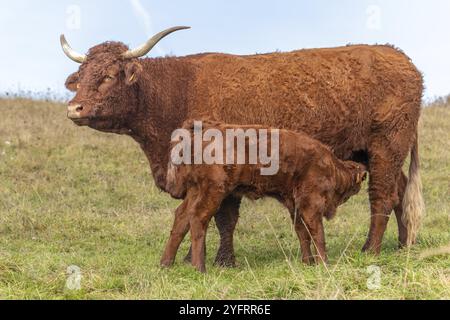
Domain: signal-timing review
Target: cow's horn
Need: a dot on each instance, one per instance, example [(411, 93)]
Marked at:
[(150, 44), (72, 54)]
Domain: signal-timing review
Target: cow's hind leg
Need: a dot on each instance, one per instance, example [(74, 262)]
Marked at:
[(385, 169), (394, 136)]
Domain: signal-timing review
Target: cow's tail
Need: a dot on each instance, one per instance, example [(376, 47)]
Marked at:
[(413, 204)]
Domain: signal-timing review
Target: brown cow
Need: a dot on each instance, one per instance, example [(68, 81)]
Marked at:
[(362, 101), (311, 182)]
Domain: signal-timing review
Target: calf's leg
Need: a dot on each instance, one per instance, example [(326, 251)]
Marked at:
[(308, 223), (318, 235), (304, 237), (179, 231), (199, 224), (206, 206), (314, 225), (226, 219)]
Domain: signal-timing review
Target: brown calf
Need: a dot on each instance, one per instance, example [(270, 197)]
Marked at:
[(311, 183)]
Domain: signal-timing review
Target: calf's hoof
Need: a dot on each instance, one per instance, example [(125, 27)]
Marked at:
[(371, 248), (188, 258), (165, 264), (321, 261), (201, 269), (309, 261)]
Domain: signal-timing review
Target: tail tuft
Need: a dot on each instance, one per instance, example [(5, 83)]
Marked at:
[(413, 203)]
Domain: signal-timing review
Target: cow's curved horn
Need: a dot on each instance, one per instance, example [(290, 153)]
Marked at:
[(150, 44), (72, 54)]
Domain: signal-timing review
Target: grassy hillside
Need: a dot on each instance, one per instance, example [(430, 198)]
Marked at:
[(72, 196)]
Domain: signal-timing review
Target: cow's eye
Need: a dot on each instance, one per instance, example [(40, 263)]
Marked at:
[(108, 79)]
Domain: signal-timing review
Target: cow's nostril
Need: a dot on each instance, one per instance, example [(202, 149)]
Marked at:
[(79, 109)]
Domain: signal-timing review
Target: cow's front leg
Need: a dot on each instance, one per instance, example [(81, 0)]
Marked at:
[(226, 221)]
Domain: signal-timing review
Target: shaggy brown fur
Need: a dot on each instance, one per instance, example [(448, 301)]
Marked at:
[(362, 101), (311, 183)]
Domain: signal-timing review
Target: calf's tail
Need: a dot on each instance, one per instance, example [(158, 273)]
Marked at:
[(413, 203)]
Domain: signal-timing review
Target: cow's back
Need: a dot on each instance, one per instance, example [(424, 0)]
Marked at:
[(330, 94)]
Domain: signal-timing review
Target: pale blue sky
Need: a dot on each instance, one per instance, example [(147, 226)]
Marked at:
[(30, 54)]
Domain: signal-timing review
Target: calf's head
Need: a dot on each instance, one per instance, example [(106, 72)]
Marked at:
[(353, 177), (105, 84)]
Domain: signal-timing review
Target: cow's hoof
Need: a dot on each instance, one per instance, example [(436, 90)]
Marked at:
[(403, 244), (225, 262)]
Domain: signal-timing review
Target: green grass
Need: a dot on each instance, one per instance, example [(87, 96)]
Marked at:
[(73, 196)]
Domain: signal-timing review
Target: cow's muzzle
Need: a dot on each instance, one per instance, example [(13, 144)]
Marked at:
[(74, 114), (74, 111)]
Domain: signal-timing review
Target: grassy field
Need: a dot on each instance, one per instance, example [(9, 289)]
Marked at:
[(72, 196)]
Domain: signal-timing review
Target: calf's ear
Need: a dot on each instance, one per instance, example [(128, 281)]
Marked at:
[(132, 72), (361, 177), (72, 82), (364, 178)]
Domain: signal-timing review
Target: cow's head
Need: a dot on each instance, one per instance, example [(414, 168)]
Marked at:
[(105, 83)]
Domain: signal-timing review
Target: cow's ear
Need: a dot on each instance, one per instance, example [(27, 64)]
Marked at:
[(72, 82), (133, 71)]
